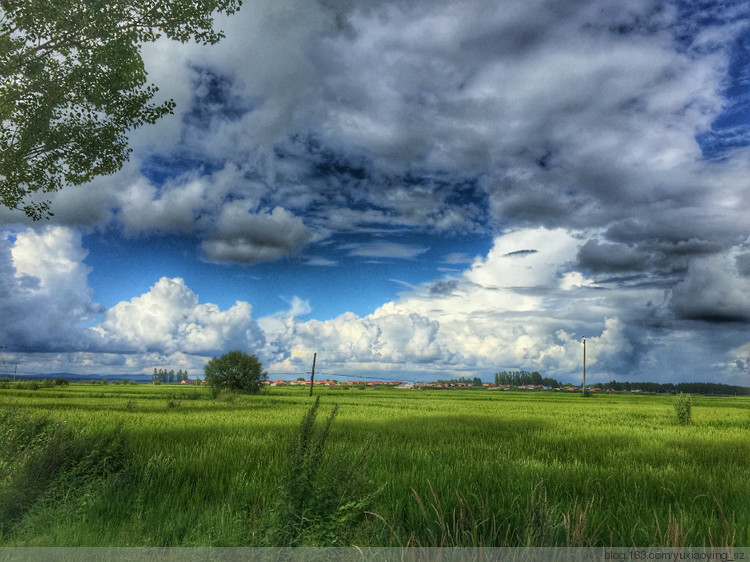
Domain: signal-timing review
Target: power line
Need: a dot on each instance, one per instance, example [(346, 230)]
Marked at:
[(342, 375), (402, 379)]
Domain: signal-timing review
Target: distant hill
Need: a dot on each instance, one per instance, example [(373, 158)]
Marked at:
[(79, 377)]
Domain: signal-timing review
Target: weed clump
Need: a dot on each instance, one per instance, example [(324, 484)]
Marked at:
[(323, 497), (683, 405), (539, 519)]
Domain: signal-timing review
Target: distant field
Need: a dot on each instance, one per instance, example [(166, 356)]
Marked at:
[(141, 465)]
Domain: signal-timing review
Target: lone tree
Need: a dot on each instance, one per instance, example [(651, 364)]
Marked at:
[(73, 83), (235, 370)]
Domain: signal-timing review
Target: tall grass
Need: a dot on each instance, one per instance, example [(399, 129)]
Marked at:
[(449, 468), (323, 497), (683, 406), (47, 463)]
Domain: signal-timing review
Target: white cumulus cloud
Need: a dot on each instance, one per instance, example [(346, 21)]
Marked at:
[(169, 318)]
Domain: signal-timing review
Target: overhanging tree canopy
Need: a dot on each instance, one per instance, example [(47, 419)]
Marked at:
[(73, 84)]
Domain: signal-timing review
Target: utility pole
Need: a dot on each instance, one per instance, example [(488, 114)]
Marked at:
[(312, 373), (583, 390), (15, 372)]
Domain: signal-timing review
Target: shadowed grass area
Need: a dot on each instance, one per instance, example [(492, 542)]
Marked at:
[(119, 465), (46, 464)]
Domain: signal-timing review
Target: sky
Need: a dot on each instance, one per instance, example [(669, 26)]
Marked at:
[(414, 190)]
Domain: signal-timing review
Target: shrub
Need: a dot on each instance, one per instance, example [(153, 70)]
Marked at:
[(60, 381), (682, 408), (27, 385), (235, 371)]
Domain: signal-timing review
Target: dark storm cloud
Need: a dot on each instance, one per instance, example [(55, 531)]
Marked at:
[(447, 119), (248, 238), (714, 291), (610, 258), (693, 234), (384, 250), (521, 253), (443, 287), (348, 191), (743, 264)]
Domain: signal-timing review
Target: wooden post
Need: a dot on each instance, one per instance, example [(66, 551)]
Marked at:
[(312, 373), (583, 390)]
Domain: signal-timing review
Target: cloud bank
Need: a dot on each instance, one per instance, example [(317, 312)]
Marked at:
[(524, 305)]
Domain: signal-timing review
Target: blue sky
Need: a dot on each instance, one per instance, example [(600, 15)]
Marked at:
[(415, 190), (123, 267)]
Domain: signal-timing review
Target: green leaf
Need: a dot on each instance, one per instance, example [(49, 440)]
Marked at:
[(73, 84)]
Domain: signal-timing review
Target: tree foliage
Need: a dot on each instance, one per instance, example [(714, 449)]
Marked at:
[(686, 387), (73, 84), (162, 375), (235, 370), (522, 378)]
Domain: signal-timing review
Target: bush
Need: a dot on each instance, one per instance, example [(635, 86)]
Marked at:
[(27, 385), (682, 407), (235, 370), (60, 381)]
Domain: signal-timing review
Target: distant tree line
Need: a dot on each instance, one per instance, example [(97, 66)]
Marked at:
[(476, 381), (523, 378), (164, 376), (686, 387)]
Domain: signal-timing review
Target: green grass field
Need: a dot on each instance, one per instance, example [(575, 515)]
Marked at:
[(141, 465)]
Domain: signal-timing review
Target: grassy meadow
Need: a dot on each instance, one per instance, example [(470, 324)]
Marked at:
[(142, 465)]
